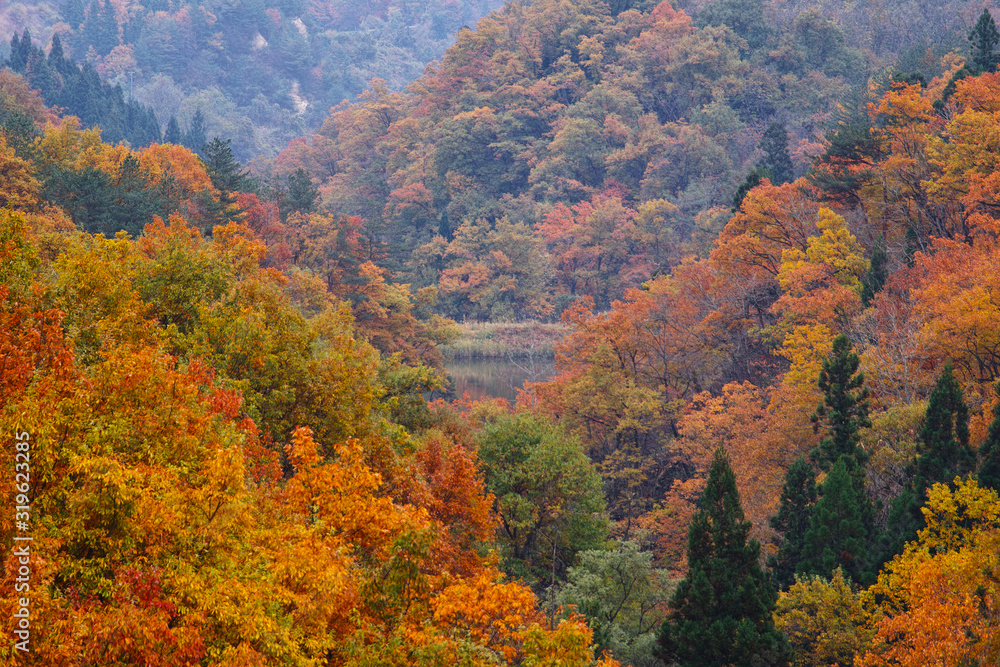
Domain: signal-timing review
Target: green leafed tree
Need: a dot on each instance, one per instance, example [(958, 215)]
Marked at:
[(548, 497), (302, 194), (721, 612), (745, 17), (228, 177), (195, 138), (618, 591)]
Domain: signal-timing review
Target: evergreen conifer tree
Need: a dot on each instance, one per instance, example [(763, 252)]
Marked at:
[(945, 434), (227, 176), (837, 535), (57, 58), (945, 455), (226, 173), (845, 408), (172, 135), (20, 51), (984, 38), (722, 609), (444, 227), (989, 452), (798, 495), (902, 524), (73, 13)]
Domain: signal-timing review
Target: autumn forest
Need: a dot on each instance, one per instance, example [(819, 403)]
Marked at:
[(758, 241)]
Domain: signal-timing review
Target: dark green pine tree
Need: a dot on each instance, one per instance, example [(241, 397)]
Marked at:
[(20, 49), (945, 434), (721, 612), (844, 407), (798, 496), (837, 535), (58, 60), (41, 75), (945, 454), (103, 33), (989, 452), (776, 160), (983, 39), (136, 201), (226, 173), (878, 273), (172, 135), (227, 176), (902, 524)]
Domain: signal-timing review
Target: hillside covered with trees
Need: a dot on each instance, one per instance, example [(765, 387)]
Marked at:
[(259, 73), (769, 232)]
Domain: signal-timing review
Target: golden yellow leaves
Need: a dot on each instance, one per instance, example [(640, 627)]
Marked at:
[(937, 602), (823, 620)]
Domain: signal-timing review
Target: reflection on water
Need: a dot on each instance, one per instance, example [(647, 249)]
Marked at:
[(496, 377)]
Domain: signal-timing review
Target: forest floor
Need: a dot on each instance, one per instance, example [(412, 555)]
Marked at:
[(504, 340)]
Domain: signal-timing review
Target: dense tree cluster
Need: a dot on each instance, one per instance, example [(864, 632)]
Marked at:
[(80, 90), (219, 469), (224, 373), (261, 72)]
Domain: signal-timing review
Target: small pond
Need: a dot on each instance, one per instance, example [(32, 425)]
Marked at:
[(501, 378)]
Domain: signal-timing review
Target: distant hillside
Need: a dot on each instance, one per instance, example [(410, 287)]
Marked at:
[(261, 72)]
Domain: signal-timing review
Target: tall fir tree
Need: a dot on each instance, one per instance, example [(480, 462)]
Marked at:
[(845, 411), (838, 534), (798, 496), (984, 39), (226, 173), (73, 13), (172, 135), (20, 49), (844, 408), (945, 453), (721, 612), (228, 177), (989, 451), (57, 58), (945, 434)]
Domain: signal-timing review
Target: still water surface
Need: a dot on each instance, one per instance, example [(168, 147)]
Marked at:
[(496, 377)]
